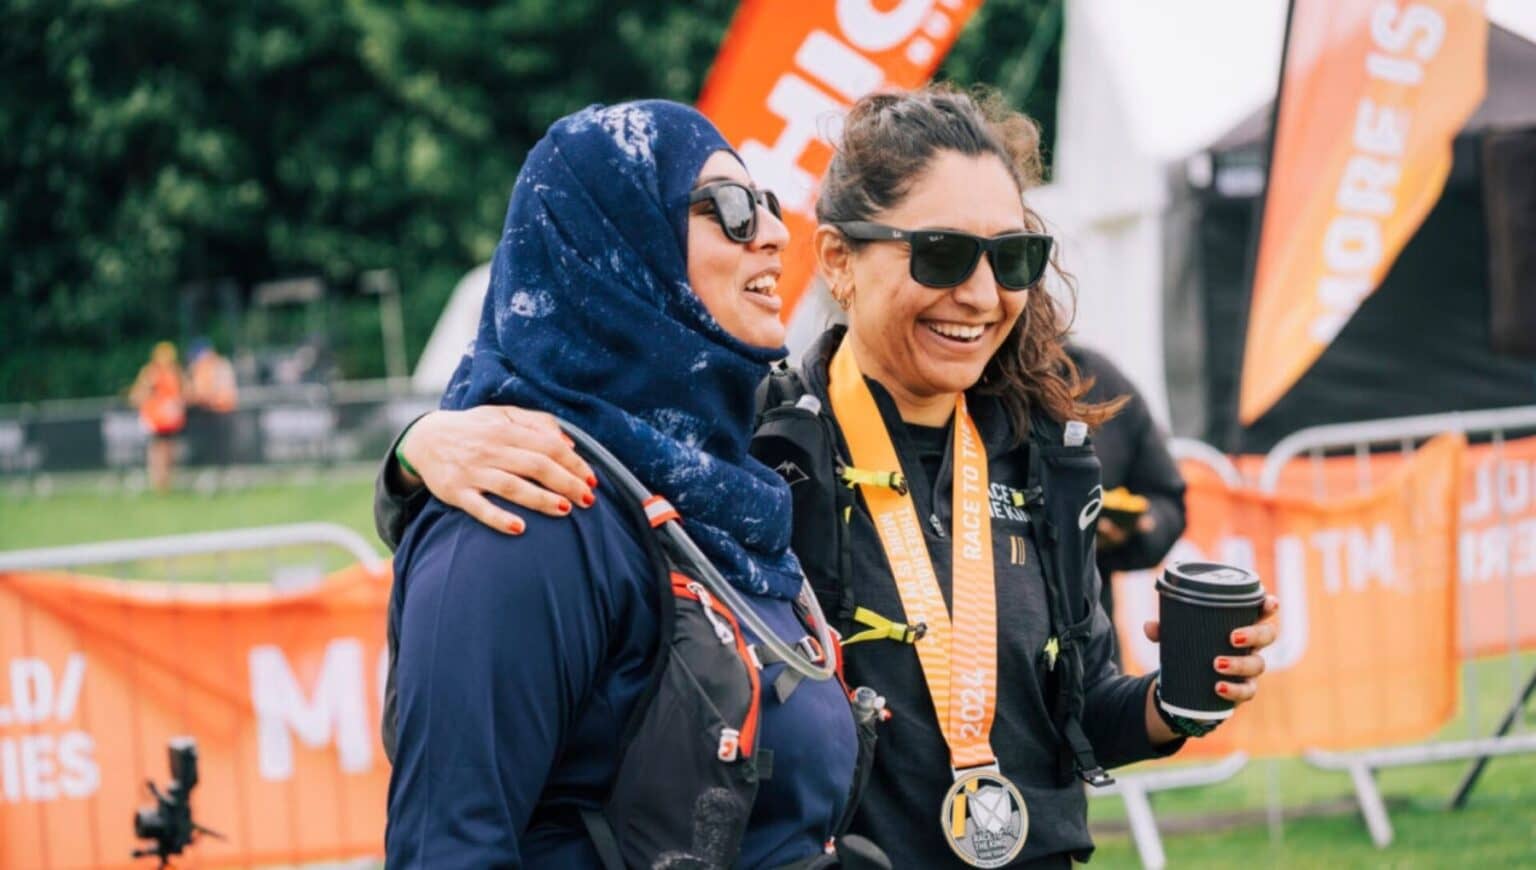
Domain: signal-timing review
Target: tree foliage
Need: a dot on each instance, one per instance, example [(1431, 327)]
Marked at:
[(150, 145)]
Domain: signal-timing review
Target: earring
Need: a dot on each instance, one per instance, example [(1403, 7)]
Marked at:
[(843, 298)]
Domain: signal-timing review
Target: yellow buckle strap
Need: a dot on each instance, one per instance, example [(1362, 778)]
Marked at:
[(892, 480), (880, 628)]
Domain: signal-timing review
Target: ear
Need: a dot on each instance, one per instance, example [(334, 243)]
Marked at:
[(833, 257)]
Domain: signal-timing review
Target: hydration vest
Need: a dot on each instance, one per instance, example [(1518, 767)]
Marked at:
[(798, 438), (690, 764)]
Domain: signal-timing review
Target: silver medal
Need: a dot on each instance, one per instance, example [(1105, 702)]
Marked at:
[(984, 818)]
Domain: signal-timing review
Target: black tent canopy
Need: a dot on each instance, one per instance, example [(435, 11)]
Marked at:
[(1424, 342)]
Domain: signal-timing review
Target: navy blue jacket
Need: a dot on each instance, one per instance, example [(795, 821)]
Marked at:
[(519, 660)]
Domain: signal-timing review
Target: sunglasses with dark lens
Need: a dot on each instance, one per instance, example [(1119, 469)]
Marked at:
[(946, 258), (735, 207)]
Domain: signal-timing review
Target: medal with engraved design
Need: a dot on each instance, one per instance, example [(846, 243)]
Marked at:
[(983, 816)]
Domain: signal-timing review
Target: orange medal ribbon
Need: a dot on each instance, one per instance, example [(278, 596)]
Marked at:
[(959, 656)]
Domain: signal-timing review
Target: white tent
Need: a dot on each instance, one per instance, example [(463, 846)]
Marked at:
[(455, 329)]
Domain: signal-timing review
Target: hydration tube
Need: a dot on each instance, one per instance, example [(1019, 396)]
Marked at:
[(693, 561)]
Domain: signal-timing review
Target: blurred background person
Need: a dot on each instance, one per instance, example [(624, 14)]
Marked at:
[(159, 392), (212, 402), (1143, 513)]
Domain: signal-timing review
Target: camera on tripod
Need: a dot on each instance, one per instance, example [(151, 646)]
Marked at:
[(168, 823)]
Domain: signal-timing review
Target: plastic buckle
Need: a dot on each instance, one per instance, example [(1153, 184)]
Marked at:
[(811, 649), (1097, 777)]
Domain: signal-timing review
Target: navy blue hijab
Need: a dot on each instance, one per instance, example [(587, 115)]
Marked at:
[(590, 317)]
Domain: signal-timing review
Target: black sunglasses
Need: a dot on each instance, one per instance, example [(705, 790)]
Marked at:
[(945, 258), (735, 207)]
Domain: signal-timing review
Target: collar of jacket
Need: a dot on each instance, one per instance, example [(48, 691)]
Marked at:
[(988, 413)]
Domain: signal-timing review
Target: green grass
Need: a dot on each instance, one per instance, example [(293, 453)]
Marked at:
[(1222, 824), (86, 514), (1497, 829)]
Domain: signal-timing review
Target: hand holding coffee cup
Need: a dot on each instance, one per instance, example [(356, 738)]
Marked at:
[(1214, 620)]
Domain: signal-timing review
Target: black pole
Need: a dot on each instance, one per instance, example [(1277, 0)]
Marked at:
[(1469, 781), (1235, 434)]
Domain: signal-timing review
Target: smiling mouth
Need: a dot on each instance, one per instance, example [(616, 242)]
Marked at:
[(763, 285), (964, 333)]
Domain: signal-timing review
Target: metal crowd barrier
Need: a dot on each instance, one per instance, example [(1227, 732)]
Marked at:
[(1133, 789), (297, 425), (1404, 434), (199, 544)]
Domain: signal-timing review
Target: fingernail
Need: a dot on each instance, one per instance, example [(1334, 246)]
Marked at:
[(515, 527), (592, 481), (1222, 664), (1221, 688), (587, 500), (563, 507), (1239, 638)]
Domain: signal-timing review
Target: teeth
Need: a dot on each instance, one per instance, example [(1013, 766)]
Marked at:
[(961, 331), (763, 284)]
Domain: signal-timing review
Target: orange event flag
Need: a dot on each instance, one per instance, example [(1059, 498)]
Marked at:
[(1373, 93), (787, 72)]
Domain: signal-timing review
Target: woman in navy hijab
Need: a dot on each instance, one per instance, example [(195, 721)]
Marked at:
[(632, 296)]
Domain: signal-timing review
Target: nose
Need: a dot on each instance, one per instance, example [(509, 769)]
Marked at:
[(772, 235), (980, 290)]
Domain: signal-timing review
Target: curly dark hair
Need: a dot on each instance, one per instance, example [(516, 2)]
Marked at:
[(886, 144)]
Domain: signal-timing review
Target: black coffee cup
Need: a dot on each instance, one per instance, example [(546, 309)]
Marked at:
[(1201, 604)]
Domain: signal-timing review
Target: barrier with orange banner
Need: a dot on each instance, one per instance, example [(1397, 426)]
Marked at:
[(1368, 605), (1372, 94), (785, 75), (281, 690), (1496, 550)]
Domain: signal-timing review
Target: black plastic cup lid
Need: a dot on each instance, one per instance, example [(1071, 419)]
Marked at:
[(1212, 582)]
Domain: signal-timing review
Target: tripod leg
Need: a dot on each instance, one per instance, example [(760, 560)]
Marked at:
[(1469, 781)]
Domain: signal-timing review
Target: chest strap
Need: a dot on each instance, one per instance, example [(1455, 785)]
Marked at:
[(788, 679), (878, 627)]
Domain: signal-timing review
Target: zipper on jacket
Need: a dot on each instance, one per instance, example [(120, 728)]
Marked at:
[(707, 603)]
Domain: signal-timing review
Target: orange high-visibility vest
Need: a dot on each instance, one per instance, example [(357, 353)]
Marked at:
[(164, 412)]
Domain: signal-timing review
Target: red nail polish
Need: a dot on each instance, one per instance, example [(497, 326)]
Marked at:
[(563, 507), (1221, 688), (1222, 664), (515, 527), (1239, 638), (592, 480), (587, 500)]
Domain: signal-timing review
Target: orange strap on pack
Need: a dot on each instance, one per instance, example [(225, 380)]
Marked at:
[(959, 655), (659, 511)]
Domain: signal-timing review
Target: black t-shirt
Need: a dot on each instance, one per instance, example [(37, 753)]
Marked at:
[(930, 443)]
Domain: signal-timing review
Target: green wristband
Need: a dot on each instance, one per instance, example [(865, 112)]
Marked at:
[(405, 464), (1180, 725)]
